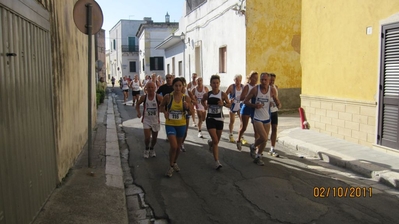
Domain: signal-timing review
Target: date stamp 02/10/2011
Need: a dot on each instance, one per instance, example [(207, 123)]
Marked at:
[(342, 192)]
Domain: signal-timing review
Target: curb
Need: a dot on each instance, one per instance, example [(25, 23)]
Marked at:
[(137, 209), (113, 168), (378, 173)]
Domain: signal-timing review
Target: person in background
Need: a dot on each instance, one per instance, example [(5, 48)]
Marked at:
[(188, 115), (125, 89), (160, 81), (150, 118), (213, 101), (198, 93), (120, 82), (191, 85), (167, 87), (234, 92), (101, 85), (175, 105), (113, 81), (274, 117), (145, 80), (246, 112), (135, 85), (262, 94)]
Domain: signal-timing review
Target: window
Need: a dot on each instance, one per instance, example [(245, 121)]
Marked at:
[(168, 69), (114, 44), (132, 44), (132, 66), (180, 68), (222, 60), (156, 63), (143, 65)]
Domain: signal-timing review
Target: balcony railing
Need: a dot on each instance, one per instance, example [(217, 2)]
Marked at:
[(130, 48)]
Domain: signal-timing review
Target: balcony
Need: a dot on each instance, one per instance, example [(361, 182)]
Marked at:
[(130, 48)]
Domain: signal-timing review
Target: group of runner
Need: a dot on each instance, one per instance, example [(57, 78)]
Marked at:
[(179, 101)]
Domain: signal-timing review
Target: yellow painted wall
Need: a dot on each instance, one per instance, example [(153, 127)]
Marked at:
[(273, 39), (70, 69), (338, 58)]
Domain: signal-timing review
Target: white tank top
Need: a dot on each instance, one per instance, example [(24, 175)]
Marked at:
[(273, 107), (136, 85), (263, 113), (125, 85), (150, 111), (199, 96)]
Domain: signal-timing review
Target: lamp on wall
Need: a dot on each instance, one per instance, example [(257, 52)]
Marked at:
[(182, 36)]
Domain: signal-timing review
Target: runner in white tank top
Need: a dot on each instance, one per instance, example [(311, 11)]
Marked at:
[(135, 85), (262, 94), (273, 118), (198, 93), (150, 118), (234, 92), (246, 112)]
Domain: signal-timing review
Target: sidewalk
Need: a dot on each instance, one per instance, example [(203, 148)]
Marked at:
[(373, 163), (96, 194)]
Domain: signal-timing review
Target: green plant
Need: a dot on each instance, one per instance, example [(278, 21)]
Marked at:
[(100, 96)]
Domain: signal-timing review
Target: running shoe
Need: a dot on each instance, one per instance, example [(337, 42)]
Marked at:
[(239, 147), (231, 137), (210, 145), (243, 141), (152, 153), (273, 153), (146, 154), (200, 135), (169, 172), (182, 148), (176, 167), (252, 150), (258, 161), (218, 165)]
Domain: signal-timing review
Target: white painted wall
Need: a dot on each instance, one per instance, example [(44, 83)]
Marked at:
[(118, 59), (175, 51), (211, 26), (148, 40)]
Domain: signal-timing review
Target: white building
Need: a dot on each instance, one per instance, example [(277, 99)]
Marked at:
[(150, 35), (124, 50), (174, 48), (214, 35)]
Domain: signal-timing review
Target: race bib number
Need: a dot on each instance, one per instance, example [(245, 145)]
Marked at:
[(199, 100), (151, 111), (175, 115), (214, 109), (262, 101)]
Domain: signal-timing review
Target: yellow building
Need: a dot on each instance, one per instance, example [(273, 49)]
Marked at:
[(273, 38), (350, 69)]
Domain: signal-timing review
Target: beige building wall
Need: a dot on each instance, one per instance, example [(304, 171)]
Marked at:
[(101, 53), (340, 58), (273, 44), (70, 70)]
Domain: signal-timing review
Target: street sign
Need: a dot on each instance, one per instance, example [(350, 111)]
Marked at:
[(80, 16)]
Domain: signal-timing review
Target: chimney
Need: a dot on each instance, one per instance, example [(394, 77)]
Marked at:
[(147, 19)]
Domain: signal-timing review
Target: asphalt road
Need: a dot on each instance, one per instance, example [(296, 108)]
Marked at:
[(288, 189)]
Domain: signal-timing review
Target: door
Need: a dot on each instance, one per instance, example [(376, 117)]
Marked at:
[(388, 120)]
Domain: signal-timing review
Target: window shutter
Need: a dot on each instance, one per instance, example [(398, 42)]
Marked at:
[(389, 108), (152, 64), (160, 63), (132, 66)]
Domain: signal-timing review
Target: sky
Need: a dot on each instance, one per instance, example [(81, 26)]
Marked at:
[(115, 10)]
